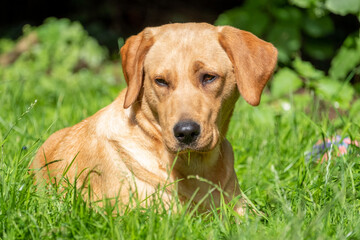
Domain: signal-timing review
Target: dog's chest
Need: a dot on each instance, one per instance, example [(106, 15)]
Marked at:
[(143, 158), (133, 147)]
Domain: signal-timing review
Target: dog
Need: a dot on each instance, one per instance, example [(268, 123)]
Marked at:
[(169, 124)]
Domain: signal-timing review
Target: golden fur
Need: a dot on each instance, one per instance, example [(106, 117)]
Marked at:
[(131, 142)]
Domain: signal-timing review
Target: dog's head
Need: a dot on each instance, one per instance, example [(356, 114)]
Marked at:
[(187, 77)]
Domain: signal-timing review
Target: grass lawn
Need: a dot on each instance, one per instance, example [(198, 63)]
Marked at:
[(301, 199)]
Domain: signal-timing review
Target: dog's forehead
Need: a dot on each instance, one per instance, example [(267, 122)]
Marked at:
[(176, 43), (185, 35), (184, 28)]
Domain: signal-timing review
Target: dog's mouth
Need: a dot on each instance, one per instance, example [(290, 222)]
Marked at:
[(180, 149), (190, 149)]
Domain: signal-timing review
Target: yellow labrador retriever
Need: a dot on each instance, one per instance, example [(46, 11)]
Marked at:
[(183, 81)]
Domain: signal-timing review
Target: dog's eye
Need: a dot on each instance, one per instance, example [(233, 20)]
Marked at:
[(161, 82), (208, 78)]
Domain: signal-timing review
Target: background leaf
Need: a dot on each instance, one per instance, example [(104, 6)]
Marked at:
[(286, 39), (346, 59), (306, 69), (343, 7), (285, 81), (318, 27), (254, 21), (339, 93)]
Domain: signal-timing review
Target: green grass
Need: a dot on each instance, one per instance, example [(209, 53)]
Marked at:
[(301, 199)]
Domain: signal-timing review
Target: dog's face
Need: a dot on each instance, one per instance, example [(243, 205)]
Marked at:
[(190, 77), (186, 83)]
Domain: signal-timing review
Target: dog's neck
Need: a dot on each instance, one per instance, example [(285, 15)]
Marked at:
[(193, 163)]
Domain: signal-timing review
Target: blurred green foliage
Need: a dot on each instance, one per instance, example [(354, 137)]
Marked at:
[(287, 25), (64, 55), (304, 26)]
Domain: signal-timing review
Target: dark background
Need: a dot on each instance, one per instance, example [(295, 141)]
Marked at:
[(107, 20)]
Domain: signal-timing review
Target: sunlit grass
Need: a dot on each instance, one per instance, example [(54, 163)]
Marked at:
[(301, 199)]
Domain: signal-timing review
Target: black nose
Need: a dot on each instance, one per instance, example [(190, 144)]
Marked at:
[(186, 132)]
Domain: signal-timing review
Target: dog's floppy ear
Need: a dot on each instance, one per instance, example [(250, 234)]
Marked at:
[(254, 61), (132, 56)]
